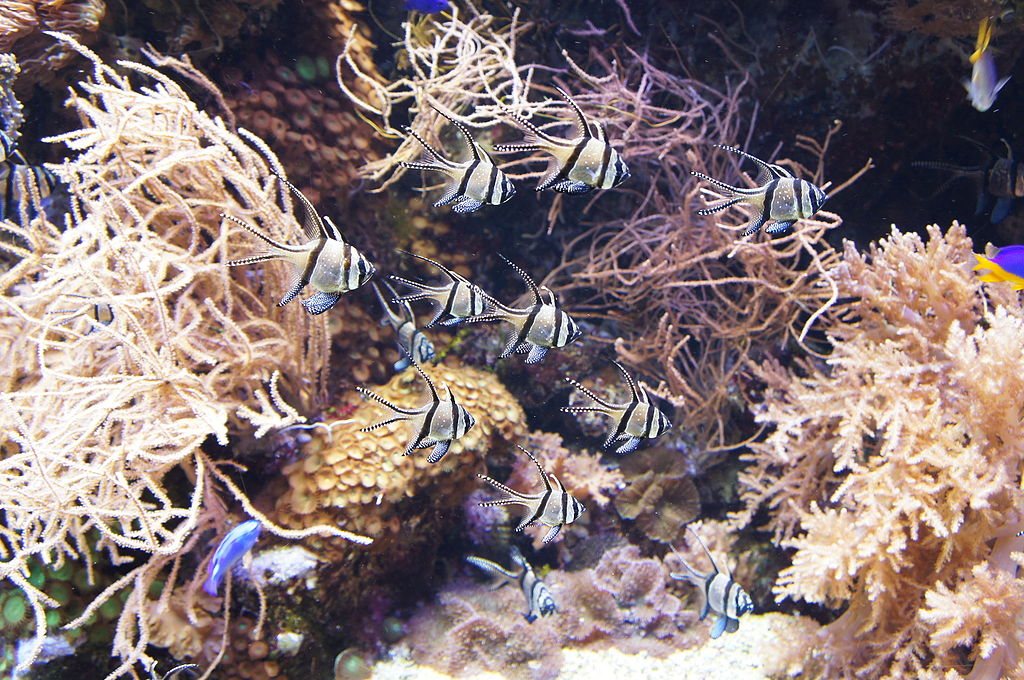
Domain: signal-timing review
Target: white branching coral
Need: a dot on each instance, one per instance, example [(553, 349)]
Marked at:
[(127, 343)]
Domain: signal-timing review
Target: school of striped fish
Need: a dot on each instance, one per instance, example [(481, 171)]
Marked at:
[(583, 163)]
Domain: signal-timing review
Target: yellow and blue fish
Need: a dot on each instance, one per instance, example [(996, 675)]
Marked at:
[(1006, 265), (984, 85)]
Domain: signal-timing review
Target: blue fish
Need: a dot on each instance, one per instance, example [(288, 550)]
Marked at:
[(232, 548), (426, 6)]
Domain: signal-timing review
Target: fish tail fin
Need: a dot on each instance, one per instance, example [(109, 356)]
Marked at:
[(270, 245), (381, 400), (731, 190), (984, 37)]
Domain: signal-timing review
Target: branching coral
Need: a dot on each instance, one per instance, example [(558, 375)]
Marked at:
[(700, 302), (894, 469), (462, 64), (96, 417), (623, 601)]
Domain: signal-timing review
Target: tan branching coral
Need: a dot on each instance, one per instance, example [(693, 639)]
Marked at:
[(894, 469), (94, 416)]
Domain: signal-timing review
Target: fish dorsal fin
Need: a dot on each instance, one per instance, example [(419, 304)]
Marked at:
[(540, 468), (430, 383), (600, 131), (765, 171), (526, 278), (332, 230), (714, 564), (470, 142), (582, 128), (633, 391), (551, 293), (693, 572), (312, 226), (1009, 149), (444, 270)]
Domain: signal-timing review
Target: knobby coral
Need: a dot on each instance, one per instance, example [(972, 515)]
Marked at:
[(894, 468), (98, 417)]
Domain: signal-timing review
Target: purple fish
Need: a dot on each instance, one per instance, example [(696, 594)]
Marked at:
[(426, 6), (232, 548)]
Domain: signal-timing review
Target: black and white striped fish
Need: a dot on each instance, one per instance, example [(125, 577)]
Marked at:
[(539, 600), (999, 177), (722, 595), (437, 423), (7, 146), (552, 507), (537, 328), (16, 178), (636, 419), (458, 299), (472, 183), (101, 313), (412, 342), (780, 196), (578, 165), (326, 261)]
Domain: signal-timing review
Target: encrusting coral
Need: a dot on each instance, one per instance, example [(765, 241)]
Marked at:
[(95, 416), (623, 602), (358, 480), (894, 468)]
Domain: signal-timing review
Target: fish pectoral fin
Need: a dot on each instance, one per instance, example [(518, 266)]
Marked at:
[(510, 346), (448, 197), (526, 521), (550, 536), (719, 627), (756, 223), (779, 227), (1000, 210), (630, 445), (572, 186), (552, 175), (321, 302), (439, 451), (536, 354), (294, 287), (466, 205)]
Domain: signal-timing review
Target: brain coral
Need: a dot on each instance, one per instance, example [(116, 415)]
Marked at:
[(358, 479)]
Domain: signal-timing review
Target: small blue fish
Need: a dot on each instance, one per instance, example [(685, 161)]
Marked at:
[(426, 6), (232, 548)]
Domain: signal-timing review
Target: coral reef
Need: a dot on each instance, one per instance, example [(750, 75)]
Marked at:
[(463, 63), (185, 358), (623, 601), (893, 467), (358, 480), (660, 495)]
